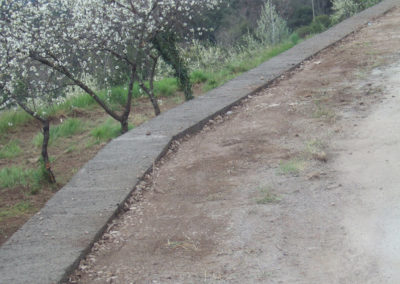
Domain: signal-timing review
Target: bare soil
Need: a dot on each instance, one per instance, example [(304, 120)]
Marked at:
[(298, 184)]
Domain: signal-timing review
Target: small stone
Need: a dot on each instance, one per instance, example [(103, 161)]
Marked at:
[(320, 156), (33, 160), (314, 175), (148, 133), (331, 186)]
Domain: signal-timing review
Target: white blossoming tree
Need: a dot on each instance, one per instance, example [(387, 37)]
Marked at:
[(34, 87), (133, 32), (77, 37), (48, 45)]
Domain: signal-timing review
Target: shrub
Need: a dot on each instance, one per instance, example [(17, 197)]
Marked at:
[(323, 20), (302, 16), (294, 38), (271, 28), (343, 9), (305, 31)]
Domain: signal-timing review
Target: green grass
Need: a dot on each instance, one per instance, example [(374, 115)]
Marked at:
[(11, 118), (240, 64), (267, 196), (315, 146), (10, 150), (14, 176), (18, 209), (324, 112), (68, 128), (166, 87), (292, 167), (79, 101), (11, 177), (106, 131), (115, 96), (199, 76)]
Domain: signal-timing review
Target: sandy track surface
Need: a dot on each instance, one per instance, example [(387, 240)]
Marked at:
[(299, 184)]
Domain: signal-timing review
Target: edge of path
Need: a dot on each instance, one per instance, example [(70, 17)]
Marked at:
[(51, 244)]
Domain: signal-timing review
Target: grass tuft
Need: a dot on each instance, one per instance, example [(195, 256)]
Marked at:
[(18, 209), (199, 76), (267, 196), (10, 150), (11, 118), (14, 176), (68, 128), (106, 131), (292, 167), (166, 87)]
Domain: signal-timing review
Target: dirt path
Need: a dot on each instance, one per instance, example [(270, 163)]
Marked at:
[(296, 185)]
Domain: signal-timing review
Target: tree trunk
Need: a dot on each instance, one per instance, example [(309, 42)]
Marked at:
[(45, 155), (154, 102), (153, 99), (124, 126), (46, 137), (165, 43)]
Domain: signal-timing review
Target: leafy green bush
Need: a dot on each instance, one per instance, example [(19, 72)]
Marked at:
[(343, 9), (294, 38), (302, 16), (323, 20), (305, 31)]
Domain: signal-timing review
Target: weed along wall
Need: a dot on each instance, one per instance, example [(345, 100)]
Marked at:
[(53, 241)]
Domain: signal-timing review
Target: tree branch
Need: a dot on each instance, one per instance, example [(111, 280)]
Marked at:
[(79, 83)]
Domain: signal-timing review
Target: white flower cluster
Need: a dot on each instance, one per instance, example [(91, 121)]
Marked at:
[(48, 45)]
